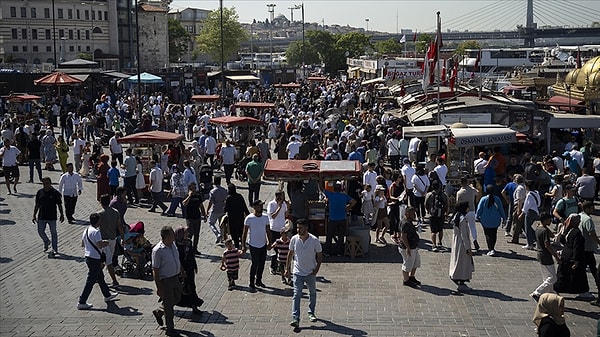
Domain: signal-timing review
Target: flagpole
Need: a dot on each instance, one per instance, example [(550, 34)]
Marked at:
[(438, 42)]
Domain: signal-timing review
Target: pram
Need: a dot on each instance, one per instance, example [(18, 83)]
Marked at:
[(137, 253), (240, 169), (205, 179)]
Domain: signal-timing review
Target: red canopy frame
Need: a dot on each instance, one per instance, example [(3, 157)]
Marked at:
[(255, 105), (287, 85), (206, 98), (236, 121), (289, 170), (151, 137)]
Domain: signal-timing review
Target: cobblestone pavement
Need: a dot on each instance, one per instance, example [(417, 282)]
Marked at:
[(356, 297)]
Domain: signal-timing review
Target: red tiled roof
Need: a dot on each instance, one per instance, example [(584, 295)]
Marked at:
[(151, 8)]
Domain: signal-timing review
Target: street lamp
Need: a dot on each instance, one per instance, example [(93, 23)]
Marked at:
[(223, 92), (54, 33), (292, 9), (271, 10), (367, 21), (303, 49), (137, 40)]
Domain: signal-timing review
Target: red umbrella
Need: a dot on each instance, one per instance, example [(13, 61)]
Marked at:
[(57, 78), (236, 121)]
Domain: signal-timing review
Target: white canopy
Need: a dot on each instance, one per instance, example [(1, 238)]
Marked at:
[(573, 121), (374, 80), (241, 78), (425, 131), (483, 136)]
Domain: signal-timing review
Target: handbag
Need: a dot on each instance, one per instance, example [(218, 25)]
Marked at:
[(102, 254)]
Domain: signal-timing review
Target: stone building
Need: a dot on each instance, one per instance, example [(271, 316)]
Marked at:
[(154, 37)]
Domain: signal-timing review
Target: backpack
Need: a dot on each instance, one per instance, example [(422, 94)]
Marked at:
[(334, 156), (438, 206), (566, 204)]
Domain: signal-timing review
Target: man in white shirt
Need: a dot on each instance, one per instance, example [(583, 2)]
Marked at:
[(228, 155), (442, 171), (370, 176), (78, 145), (189, 175), (408, 172), (393, 152), (9, 154), (479, 164), (210, 149), (70, 186), (156, 187), (276, 211), (260, 237), (116, 149), (413, 145), (578, 156), (293, 148)]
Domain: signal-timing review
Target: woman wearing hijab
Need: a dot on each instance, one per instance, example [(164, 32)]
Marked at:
[(62, 148), (102, 180), (490, 213), (189, 297), (461, 260), (549, 316), (571, 273), (178, 191)]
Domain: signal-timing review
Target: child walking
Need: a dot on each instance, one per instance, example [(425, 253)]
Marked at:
[(383, 221), (282, 247), (230, 262), (367, 205)]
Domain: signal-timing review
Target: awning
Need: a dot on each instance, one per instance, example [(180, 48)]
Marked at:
[(289, 170), (151, 137), (256, 105), (353, 69), (374, 80), (316, 78), (206, 98), (563, 103), (464, 137), (236, 121), (573, 121), (287, 85), (241, 78), (425, 131), (116, 74), (80, 77)]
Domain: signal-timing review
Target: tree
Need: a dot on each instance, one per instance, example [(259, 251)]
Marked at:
[(209, 39), (460, 49), (354, 43), (85, 56), (179, 39), (294, 53), (389, 46), (423, 41)]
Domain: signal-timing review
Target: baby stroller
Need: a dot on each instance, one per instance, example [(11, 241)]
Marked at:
[(240, 169), (205, 179), (137, 253)]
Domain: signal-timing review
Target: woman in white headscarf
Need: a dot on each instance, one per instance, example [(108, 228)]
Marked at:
[(549, 316)]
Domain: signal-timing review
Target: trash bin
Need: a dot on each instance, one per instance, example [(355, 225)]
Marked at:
[(364, 233)]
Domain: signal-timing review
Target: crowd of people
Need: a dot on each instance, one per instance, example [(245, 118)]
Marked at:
[(546, 200)]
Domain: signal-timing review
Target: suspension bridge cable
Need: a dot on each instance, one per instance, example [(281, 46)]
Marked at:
[(555, 18), (465, 21), (484, 17), (567, 13), (506, 19)]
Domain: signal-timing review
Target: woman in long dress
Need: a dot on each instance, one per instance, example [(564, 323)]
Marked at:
[(62, 148), (189, 296), (571, 274), (461, 259), (102, 179), (140, 183), (48, 147)]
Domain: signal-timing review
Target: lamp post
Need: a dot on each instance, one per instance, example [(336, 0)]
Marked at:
[(223, 92), (54, 33), (367, 21), (303, 48), (137, 43), (271, 10)]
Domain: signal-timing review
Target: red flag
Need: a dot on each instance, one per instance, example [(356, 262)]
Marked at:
[(426, 70), (477, 60), (578, 58), (443, 79), (415, 37), (453, 75)]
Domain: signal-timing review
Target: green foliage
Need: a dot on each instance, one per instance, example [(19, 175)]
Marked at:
[(85, 56), (178, 40), (354, 43), (422, 41), (294, 53), (460, 49), (389, 46), (209, 39)]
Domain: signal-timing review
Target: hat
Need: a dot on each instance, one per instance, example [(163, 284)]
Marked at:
[(380, 188), (570, 187), (257, 202), (566, 153)]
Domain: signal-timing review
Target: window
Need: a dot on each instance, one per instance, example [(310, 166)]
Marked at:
[(78, 34), (48, 48), (78, 48), (87, 48), (25, 48), (23, 12), (86, 14), (34, 34), (24, 34), (15, 48), (70, 14), (33, 13), (60, 13), (78, 14), (99, 15), (47, 13), (13, 13), (105, 16), (70, 34), (61, 33), (48, 34), (93, 15), (71, 48), (35, 48), (14, 34), (87, 34)]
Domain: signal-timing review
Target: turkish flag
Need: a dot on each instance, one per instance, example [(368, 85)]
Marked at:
[(415, 37), (477, 60)]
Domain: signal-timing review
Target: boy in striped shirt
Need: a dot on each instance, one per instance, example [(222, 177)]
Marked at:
[(282, 247), (230, 262)]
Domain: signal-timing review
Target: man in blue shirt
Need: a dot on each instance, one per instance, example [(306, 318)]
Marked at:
[(355, 155), (339, 203)]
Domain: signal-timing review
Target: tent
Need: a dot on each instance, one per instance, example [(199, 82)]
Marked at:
[(483, 136), (206, 98), (289, 170), (57, 78), (236, 121), (256, 105), (145, 78), (151, 137), (425, 131)]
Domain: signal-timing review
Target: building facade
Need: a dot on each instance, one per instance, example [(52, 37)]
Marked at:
[(192, 20)]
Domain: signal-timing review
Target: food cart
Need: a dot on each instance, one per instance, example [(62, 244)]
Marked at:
[(147, 145), (247, 123), (320, 170)]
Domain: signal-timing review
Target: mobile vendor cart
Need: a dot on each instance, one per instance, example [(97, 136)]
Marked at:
[(247, 124), (321, 171)]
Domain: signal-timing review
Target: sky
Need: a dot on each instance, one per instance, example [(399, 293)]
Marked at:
[(394, 15)]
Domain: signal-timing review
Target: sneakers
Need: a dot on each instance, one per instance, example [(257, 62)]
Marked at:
[(535, 297), (463, 288), (507, 234), (115, 285), (528, 247), (414, 280), (409, 283), (273, 271), (46, 246), (252, 286), (312, 317), (111, 297), (586, 295), (84, 306), (158, 316), (260, 284), (491, 253), (295, 323), (435, 249)]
